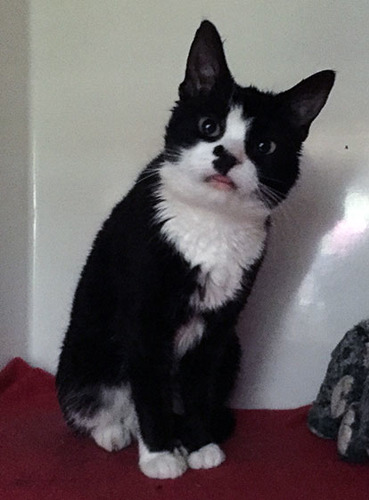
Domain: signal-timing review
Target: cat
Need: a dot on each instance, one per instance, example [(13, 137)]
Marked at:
[(151, 351)]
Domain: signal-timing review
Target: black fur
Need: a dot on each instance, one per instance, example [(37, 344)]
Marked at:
[(132, 297), (134, 291)]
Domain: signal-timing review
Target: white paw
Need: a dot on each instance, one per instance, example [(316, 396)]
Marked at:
[(163, 465), (206, 457), (111, 438)]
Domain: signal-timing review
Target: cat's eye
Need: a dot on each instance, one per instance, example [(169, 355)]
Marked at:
[(209, 127), (266, 147)]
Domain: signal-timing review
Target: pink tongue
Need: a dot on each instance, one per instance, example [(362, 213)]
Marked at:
[(221, 182)]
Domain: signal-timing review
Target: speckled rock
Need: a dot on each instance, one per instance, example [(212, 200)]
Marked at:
[(341, 409)]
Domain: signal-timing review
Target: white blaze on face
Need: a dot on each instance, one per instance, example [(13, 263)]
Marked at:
[(233, 139), (233, 143), (243, 175)]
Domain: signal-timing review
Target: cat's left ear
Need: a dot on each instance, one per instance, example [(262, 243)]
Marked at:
[(305, 100), (206, 63)]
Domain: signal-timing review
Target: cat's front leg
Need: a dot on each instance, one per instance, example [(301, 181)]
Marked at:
[(158, 456), (198, 443), (207, 374)]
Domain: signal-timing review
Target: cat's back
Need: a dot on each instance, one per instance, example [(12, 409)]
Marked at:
[(130, 228)]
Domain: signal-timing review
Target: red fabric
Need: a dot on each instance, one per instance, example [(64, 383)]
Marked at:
[(272, 456)]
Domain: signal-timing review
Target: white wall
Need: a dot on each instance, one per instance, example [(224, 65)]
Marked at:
[(103, 78)]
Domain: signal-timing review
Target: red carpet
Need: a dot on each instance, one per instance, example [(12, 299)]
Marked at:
[(272, 456)]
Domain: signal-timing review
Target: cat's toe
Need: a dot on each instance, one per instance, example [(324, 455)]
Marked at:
[(206, 457), (163, 465), (111, 438)]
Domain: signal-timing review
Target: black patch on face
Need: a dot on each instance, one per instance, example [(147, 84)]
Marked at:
[(183, 131), (277, 170)]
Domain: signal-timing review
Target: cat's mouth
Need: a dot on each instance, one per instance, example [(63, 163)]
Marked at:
[(221, 182)]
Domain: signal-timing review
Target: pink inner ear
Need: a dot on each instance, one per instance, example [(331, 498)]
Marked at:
[(208, 70)]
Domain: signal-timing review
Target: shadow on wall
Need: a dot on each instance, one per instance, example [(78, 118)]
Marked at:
[(314, 207), (15, 216)]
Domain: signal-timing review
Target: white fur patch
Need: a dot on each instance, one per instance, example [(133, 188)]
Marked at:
[(188, 336), (113, 426), (223, 232), (207, 457), (222, 246), (234, 136), (161, 464)]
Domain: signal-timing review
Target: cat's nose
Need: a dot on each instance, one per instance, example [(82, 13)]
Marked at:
[(225, 160)]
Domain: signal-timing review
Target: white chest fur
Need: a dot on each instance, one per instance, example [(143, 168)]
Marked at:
[(221, 246)]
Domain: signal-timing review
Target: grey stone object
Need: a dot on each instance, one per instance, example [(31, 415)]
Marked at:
[(341, 409)]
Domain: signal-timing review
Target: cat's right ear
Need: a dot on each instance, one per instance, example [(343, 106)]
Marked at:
[(206, 63)]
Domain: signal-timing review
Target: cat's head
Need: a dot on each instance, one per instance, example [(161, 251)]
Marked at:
[(227, 144)]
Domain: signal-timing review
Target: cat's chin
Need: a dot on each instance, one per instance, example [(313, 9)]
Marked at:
[(221, 182)]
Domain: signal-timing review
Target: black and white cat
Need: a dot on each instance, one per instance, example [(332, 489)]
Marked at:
[(151, 351)]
